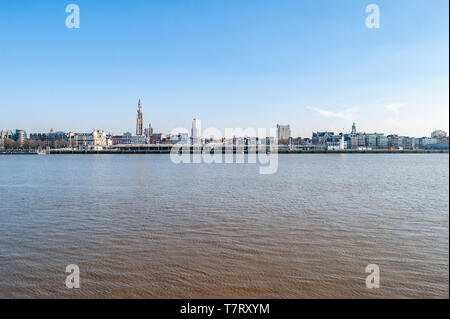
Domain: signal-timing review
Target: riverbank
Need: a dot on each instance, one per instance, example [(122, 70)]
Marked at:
[(91, 152), (280, 152), (18, 153)]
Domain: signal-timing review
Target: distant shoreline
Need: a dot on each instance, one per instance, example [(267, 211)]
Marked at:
[(279, 152), (92, 152)]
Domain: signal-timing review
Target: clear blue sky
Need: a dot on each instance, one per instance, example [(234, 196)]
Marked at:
[(231, 63)]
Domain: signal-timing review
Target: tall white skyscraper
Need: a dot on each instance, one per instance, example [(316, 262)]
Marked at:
[(196, 129), (196, 135)]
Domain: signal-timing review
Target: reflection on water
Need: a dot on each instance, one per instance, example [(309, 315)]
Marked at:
[(141, 226)]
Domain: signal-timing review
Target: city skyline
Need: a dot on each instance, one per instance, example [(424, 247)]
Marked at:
[(313, 65), (281, 129), (320, 140)]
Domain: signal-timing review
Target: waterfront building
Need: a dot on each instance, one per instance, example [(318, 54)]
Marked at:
[(354, 128), (358, 140), (417, 142), (321, 138), (406, 142), (117, 139), (371, 140), (435, 143), (393, 142), (348, 140), (20, 137), (5, 135), (382, 141), (140, 120), (128, 138), (333, 146), (308, 147), (402, 142), (283, 132), (196, 128), (196, 134), (89, 141), (376, 140), (439, 134), (52, 138), (148, 132), (156, 138), (336, 143), (297, 141), (343, 143), (109, 140), (180, 138)]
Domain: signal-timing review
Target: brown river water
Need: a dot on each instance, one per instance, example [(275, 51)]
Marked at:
[(139, 226)]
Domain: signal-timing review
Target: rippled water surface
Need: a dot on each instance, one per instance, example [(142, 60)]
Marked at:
[(139, 226)]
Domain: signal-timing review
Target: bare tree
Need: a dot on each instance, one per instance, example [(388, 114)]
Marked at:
[(33, 144), (9, 144), (61, 144), (24, 145)]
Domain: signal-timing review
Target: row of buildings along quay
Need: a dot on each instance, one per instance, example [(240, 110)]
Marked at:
[(145, 138)]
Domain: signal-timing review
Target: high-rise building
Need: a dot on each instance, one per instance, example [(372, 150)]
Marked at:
[(354, 128), (196, 128), (283, 132), (140, 120), (196, 135)]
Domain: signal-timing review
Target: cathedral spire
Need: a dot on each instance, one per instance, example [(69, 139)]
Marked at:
[(140, 120)]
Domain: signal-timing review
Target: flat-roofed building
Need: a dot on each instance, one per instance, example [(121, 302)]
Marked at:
[(357, 140), (128, 138), (156, 138), (283, 132)]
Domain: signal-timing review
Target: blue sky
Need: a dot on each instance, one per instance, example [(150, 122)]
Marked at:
[(233, 63)]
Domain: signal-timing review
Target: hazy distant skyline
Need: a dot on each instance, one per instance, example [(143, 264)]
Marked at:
[(311, 64)]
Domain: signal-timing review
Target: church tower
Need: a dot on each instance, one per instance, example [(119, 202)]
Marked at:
[(354, 128), (140, 120)]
